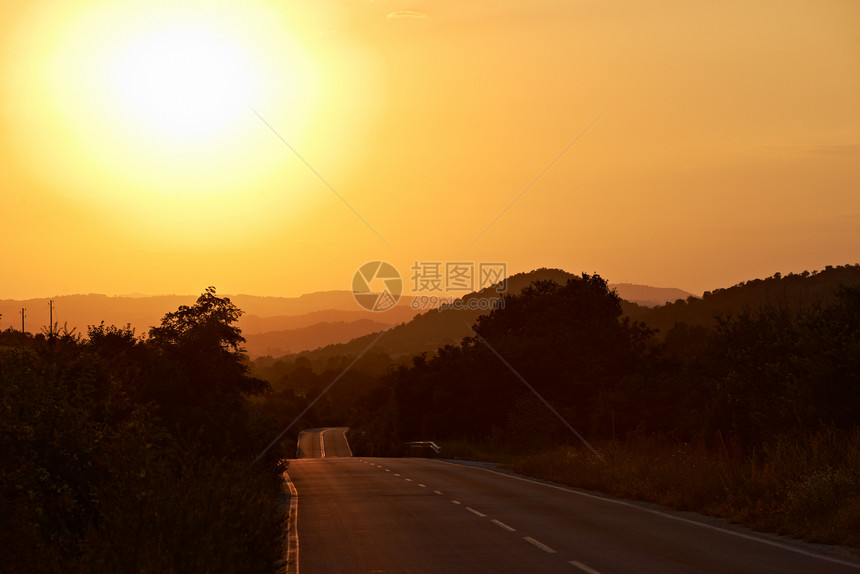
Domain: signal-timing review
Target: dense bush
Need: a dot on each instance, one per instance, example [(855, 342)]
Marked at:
[(121, 454)]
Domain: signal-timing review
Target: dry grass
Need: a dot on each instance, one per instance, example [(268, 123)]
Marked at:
[(808, 489), (201, 515), (484, 451)]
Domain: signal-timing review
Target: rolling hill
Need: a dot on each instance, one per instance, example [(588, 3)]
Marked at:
[(281, 325), (790, 292), (436, 328)]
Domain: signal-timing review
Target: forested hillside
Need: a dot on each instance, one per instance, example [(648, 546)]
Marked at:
[(759, 374), (764, 402), (791, 293)]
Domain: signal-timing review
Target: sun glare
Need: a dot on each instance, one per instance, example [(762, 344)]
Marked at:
[(145, 109), (183, 81)]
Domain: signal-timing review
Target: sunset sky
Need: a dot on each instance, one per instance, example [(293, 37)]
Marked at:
[(272, 148)]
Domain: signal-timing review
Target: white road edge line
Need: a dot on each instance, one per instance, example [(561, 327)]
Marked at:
[(475, 512), (346, 442), (292, 528), (669, 516), (540, 545), (583, 567), (501, 524)]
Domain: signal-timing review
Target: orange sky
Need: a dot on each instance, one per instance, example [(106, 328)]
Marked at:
[(726, 144)]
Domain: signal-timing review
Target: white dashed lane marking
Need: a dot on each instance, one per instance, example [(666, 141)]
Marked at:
[(540, 545), (536, 543), (501, 524), (583, 567)]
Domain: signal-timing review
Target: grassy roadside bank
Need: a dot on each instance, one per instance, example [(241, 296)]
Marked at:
[(807, 489), (482, 452), (203, 514)]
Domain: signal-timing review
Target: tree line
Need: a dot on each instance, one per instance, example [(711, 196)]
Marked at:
[(759, 375), (126, 453), (134, 453)]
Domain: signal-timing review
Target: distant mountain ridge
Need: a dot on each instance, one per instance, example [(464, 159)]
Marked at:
[(433, 329), (261, 313), (436, 328), (648, 296), (277, 343), (276, 325), (79, 311), (790, 292), (283, 325), (255, 324)]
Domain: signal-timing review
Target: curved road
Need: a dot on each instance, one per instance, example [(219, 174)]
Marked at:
[(419, 515), (323, 443)]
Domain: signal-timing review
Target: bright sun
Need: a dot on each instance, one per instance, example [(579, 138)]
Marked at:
[(149, 111), (183, 80), (156, 100)]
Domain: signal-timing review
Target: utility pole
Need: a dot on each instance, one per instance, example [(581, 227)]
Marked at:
[(22, 318), (51, 317)]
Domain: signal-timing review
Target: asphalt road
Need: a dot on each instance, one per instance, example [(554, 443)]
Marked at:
[(419, 515), (323, 443)]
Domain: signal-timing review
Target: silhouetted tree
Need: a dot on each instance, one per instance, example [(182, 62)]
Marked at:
[(568, 341), (204, 341), (202, 378)]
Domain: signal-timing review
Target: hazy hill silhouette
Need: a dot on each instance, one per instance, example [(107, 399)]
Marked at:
[(280, 325), (257, 324), (435, 328), (79, 311), (791, 292), (647, 296), (277, 343), (262, 314)]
